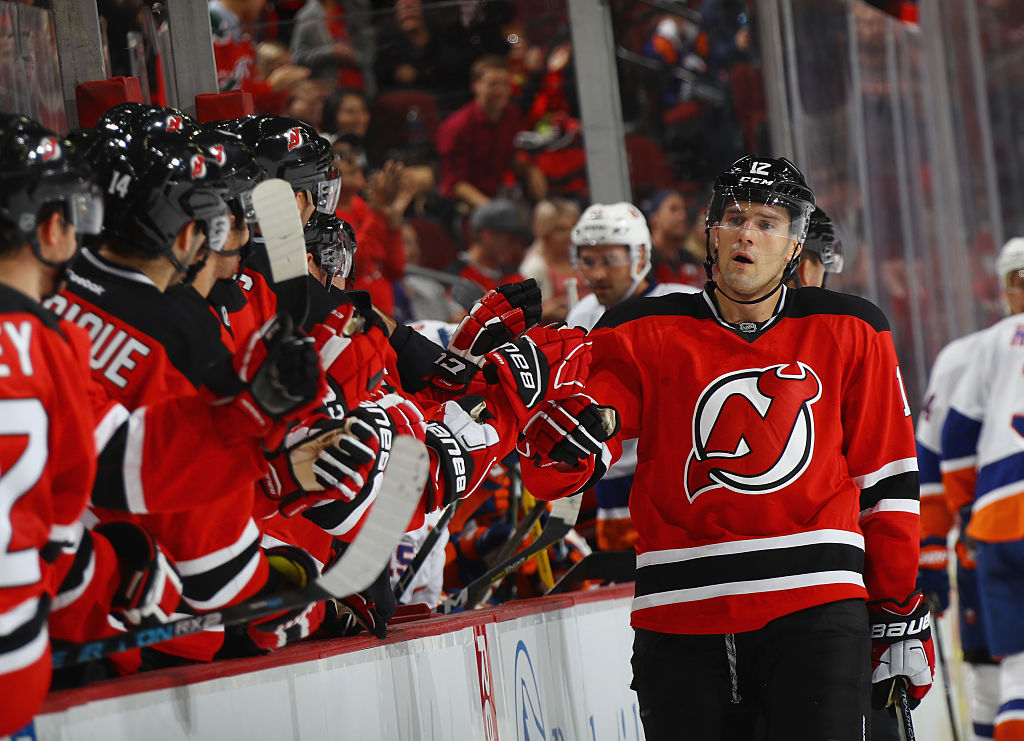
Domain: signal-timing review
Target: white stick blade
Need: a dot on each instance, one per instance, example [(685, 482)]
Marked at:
[(281, 228), (404, 477)]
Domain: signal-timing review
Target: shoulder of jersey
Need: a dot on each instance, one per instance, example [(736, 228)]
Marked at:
[(809, 301), (663, 289), (15, 302), (670, 304)]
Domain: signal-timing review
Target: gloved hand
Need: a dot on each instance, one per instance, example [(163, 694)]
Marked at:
[(368, 610), (281, 375), (290, 568), (150, 587), (352, 353), (340, 469), (567, 431), (499, 317), (901, 639), (933, 572), (546, 363)]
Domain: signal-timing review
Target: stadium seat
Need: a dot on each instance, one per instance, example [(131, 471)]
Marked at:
[(438, 247), (394, 126)]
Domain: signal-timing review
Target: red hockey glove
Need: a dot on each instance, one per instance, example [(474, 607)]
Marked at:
[(282, 376), (901, 638), (369, 610), (499, 317), (544, 364), (150, 587), (452, 443), (353, 360), (933, 572), (290, 568), (567, 431), (405, 415)]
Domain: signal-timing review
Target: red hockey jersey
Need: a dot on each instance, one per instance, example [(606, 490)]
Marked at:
[(776, 463)]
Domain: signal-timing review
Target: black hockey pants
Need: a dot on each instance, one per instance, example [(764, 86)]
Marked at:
[(803, 677)]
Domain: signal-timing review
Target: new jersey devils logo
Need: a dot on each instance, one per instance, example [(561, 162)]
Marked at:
[(198, 163), (294, 138), (49, 148), (173, 122), (217, 152), (753, 430)]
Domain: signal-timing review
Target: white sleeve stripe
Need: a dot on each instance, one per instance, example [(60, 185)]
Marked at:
[(26, 655), (105, 430), (18, 615), (134, 492), (63, 599), (911, 506), (895, 468), (932, 490), (956, 464), (210, 561)]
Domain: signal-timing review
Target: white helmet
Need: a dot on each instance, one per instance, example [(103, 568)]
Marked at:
[(1010, 259), (615, 223)]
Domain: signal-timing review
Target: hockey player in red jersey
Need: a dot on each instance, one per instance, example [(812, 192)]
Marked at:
[(776, 489), (982, 464)]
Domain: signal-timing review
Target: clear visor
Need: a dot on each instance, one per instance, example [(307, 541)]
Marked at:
[(327, 190), (217, 229), (85, 210), (770, 219), (336, 262), (611, 259), (247, 207), (832, 258)]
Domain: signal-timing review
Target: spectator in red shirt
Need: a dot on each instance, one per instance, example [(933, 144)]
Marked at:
[(377, 221), (476, 143), (670, 227), (500, 235)]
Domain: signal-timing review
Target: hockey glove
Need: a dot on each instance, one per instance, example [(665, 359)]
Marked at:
[(290, 568), (452, 442), (340, 469), (901, 646), (354, 360), (150, 587), (544, 364), (369, 610), (281, 374), (933, 572), (567, 431)]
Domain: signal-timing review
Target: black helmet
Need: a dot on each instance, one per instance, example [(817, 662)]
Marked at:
[(774, 182), (821, 239), (238, 167), (119, 120), (332, 243), (155, 185), (292, 150), (38, 168)]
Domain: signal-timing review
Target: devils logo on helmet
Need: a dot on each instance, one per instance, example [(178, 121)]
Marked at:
[(294, 138), (198, 166), (49, 148), (753, 430)]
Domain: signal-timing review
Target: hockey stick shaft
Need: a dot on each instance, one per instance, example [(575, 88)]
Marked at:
[(425, 549), (283, 236), (940, 655), (547, 579), (904, 722), (563, 517), (404, 478)]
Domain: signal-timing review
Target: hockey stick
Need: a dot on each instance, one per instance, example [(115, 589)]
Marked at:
[(284, 239), (617, 566), (358, 566), (425, 548), (904, 723), (563, 517), (940, 655)]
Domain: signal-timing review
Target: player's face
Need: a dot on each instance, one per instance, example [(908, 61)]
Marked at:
[(1014, 291), (754, 245), (606, 269)]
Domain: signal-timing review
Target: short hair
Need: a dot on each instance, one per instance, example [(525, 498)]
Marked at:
[(333, 103), (484, 63)]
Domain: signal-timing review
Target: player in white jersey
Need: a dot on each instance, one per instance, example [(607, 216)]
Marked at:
[(611, 249), (982, 464)]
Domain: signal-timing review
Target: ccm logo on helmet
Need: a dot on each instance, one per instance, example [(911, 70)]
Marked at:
[(198, 166), (294, 138)]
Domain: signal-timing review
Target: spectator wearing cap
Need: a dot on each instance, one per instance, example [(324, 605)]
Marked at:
[(500, 235), (476, 143), (670, 226)]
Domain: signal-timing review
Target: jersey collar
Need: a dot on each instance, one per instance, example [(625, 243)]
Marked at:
[(749, 331)]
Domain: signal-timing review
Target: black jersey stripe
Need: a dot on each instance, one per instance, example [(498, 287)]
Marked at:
[(900, 486), (752, 565), (202, 587)]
